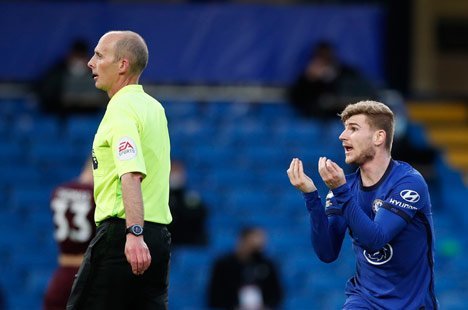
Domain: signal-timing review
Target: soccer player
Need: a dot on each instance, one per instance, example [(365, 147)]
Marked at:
[(126, 265), (72, 206), (385, 206)]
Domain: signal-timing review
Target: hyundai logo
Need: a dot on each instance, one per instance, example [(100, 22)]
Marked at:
[(409, 195)]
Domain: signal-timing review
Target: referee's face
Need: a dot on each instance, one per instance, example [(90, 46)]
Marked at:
[(103, 66)]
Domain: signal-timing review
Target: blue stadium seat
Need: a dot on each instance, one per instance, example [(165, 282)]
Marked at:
[(264, 156), (222, 111), (207, 156), (11, 107), (304, 130), (236, 156), (301, 302), (248, 200), (54, 152), (452, 300), (179, 109), (271, 111), (19, 175), (245, 132), (227, 175), (30, 198), (82, 128), (191, 132), (417, 135), (223, 239), (36, 128), (37, 281)]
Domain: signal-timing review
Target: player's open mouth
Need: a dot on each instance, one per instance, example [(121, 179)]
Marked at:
[(347, 149), (95, 76)]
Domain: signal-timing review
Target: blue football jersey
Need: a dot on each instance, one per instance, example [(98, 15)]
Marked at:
[(391, 227)]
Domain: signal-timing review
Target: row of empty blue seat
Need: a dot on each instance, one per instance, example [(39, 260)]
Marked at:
[(237, 155)]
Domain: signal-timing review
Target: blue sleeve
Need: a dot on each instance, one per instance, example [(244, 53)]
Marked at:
[(390, 219), (326, 232)]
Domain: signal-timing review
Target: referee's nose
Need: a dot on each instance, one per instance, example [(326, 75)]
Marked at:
[(91, 63)]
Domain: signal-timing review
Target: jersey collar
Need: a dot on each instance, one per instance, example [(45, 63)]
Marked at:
[(382, 179)]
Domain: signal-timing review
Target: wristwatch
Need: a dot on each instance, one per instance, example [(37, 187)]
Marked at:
[(136, 230)]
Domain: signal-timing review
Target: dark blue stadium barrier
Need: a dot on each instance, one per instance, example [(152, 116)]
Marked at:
[(212, 43)]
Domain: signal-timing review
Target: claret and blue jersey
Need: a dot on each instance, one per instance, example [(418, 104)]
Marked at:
[(390, 224)]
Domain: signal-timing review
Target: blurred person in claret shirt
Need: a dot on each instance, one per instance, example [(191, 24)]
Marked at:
[(72, 205)]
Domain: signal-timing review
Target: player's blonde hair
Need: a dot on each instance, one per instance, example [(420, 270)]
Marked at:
[(379, 116), (131, 45)]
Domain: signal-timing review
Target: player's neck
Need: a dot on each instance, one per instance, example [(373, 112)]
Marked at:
[(372, 171)]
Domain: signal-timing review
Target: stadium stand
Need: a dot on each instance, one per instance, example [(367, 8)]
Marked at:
[(447, 127), (236, 155)]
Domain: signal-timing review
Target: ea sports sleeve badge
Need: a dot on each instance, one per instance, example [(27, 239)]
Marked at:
[(126, 149), (128, 155)]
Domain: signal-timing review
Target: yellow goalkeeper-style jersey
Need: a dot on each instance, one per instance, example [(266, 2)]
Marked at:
[(132, 137)]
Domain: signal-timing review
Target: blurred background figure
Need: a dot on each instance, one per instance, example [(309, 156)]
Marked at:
[(245, 279), (68, 87), (72, 206), (187, 208), (421, 155), (327, 84)]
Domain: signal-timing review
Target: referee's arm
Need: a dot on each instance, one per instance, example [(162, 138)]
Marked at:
[(136, 250)]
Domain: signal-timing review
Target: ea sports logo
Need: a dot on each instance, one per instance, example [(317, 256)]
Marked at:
[(126, 149), (409, 195), (382, 256)]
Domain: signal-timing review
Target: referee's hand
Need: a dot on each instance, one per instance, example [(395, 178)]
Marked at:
[(137, 254)]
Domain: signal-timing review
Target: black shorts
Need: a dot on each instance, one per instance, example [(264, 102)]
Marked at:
[(105, 279)]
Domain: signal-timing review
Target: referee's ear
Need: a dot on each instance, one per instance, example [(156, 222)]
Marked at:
[(124, 66)]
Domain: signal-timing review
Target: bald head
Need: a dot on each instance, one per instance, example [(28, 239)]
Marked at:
[(130, 45)]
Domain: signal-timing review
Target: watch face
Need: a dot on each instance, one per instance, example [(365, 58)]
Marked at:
[(137, 229)]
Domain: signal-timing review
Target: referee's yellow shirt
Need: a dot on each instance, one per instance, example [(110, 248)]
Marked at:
[(132, 137)]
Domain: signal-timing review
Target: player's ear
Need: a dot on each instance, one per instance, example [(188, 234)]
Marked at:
[(379, 137)]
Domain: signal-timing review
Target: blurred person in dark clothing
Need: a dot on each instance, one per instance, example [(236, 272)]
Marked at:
[(327, 84), (245, 279), (187, 208), (421, 154), (68, 87), (72, 206)]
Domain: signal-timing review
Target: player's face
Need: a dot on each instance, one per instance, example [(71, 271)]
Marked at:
[(357, 140), (103, 65)]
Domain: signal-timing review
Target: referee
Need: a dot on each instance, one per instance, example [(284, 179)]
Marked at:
[(127, 263)]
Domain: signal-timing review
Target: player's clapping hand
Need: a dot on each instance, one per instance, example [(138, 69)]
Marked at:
[(137, 254), (331, 173), (298, 178)]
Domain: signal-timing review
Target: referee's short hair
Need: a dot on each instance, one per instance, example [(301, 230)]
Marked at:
[(131, 45)]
